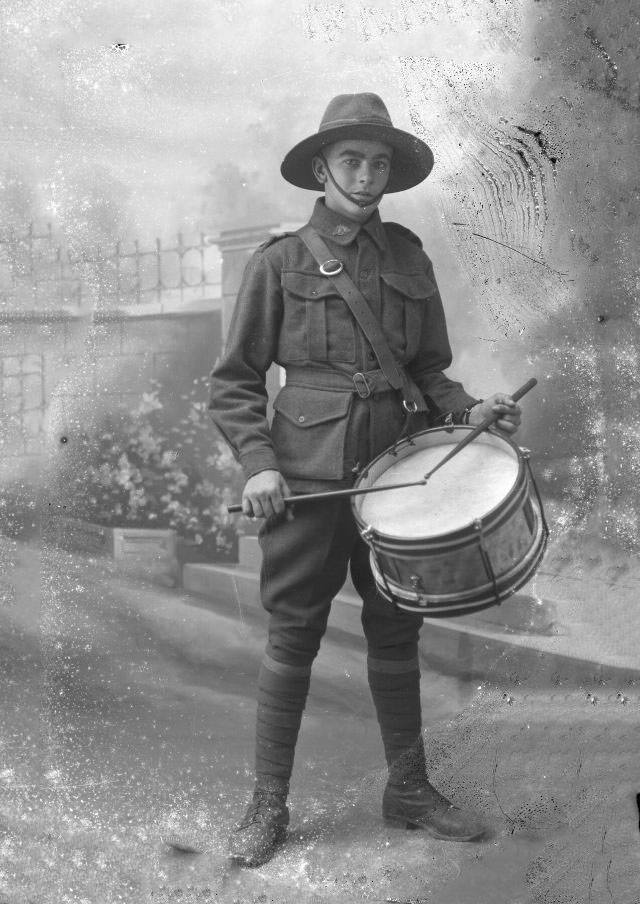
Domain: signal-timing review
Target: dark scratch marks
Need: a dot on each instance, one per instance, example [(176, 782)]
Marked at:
[(611, 88), (324, 21), (494, 187), (589, 899), (516, 250), (608, 874), (611, 76), (535, 170), (543, 144), (513, 822)]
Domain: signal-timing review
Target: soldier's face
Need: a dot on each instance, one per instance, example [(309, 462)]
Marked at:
[(361, 169)]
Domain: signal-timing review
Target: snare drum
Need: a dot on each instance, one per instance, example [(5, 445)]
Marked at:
[(469, 538)]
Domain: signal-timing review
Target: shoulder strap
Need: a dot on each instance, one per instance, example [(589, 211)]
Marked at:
[(273, 238), (404, 232), (365, 318)]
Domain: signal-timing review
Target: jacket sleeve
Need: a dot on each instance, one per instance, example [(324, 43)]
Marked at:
[(442, 394), (238, 395)]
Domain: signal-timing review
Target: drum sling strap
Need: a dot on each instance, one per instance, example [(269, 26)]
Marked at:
[(395, 374)]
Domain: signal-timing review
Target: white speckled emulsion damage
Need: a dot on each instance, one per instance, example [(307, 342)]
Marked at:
[(134, 131)]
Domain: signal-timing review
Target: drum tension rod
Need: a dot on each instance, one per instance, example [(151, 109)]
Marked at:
[(486, 561)]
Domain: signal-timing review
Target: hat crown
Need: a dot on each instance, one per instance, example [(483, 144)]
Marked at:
[(355, 109)]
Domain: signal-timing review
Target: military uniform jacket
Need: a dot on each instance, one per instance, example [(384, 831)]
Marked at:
[(289, 313)]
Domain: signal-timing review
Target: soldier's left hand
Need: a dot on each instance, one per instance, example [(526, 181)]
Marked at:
[(502, 404)]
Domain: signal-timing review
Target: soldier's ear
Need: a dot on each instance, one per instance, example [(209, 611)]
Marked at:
[(319, 169)]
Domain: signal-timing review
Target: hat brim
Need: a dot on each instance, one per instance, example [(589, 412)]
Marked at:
[(411, 163)]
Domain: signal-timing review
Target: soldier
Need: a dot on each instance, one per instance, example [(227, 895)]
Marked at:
[(337, 411)]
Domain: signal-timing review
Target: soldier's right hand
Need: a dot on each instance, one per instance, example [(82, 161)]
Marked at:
[(264, 493)]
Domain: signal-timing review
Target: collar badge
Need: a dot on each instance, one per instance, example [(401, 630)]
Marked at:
[(341, 229)]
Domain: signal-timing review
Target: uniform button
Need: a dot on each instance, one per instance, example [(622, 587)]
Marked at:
[(314, 291), (301, 419), (364, 274), (371, 356)]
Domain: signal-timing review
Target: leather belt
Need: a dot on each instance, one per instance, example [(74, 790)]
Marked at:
[(363, 383)]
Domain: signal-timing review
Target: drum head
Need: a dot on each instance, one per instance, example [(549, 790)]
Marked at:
[(468, 487)]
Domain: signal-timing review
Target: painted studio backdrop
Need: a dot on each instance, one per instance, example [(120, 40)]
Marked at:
[(139, 169)]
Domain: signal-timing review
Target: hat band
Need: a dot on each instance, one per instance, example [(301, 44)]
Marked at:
[(337, 123)]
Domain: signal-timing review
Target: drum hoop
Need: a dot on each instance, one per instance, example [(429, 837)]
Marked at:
[(464, 536), (486, 519), (466, 600)]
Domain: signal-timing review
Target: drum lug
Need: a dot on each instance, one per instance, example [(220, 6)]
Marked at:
[(526, 453), (367, 533), (416, 585)]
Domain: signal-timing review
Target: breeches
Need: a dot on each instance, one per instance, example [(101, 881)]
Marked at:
[(305, 563)]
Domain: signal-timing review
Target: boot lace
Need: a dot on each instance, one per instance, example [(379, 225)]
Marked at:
[(265, 805)]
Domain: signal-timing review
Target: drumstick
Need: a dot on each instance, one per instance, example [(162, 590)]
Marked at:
[(486, 423), (236, 508), (335, 494)]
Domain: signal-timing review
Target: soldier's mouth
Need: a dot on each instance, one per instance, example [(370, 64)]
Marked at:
[(362, 199)]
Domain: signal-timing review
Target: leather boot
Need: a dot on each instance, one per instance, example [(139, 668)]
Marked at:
[(416, 804), (264, 827), (411, 802)]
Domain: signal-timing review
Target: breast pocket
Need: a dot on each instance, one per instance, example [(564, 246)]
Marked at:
[(317, 324), (404, 298), (309, 430)]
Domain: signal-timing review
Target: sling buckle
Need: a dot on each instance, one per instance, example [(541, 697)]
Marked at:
[(362, 386), (331, 267)]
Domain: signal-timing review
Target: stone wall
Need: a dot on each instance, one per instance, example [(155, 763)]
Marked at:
[(58, 370)]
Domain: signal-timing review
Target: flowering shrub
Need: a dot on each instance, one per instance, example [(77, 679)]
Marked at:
[(135, 471)]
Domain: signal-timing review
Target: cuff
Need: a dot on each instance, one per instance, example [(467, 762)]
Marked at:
[(462, 417), (455, 415), (260, 459)]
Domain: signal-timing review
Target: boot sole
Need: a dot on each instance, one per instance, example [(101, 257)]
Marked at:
[(401, 822), (241, 860)]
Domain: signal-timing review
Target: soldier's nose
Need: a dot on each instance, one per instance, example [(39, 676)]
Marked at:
[(366, 174)]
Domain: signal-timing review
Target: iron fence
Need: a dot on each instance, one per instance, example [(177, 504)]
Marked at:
[(38, 273)]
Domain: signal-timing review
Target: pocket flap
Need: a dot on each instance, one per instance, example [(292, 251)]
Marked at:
[(309, 286), (411, 285), (308, 407)]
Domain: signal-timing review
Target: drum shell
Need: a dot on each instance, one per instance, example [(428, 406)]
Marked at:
[(446, 575)]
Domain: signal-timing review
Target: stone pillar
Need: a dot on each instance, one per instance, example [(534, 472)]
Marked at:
[(236, 247)]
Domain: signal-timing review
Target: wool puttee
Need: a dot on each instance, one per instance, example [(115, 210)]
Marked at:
[(282, 695), (395, 688)]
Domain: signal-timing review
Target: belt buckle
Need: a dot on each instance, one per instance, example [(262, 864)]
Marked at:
[(362, 386)]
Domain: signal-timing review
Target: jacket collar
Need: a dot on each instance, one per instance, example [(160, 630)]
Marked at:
[(342, 231)]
